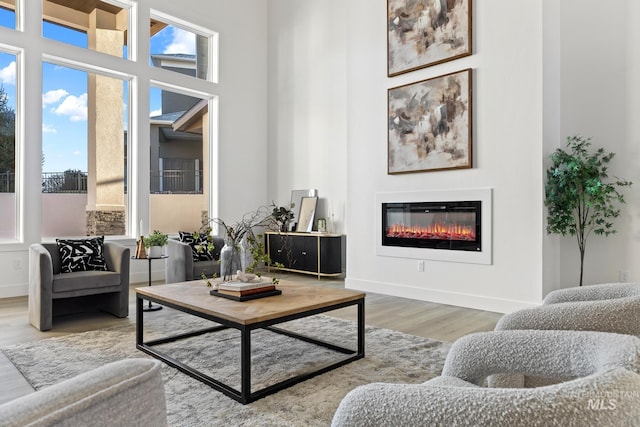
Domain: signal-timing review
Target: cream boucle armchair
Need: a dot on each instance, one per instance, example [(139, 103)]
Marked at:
[(604, 391), (610, 307)]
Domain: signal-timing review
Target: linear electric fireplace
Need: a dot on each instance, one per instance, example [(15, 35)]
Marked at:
[(452, 225), (446, 225)]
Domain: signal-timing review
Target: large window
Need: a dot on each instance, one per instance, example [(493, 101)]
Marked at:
[(92, 176), (84, 139), (8, 207), (179, 130)]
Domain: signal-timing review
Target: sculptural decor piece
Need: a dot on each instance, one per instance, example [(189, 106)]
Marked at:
[(421, 33)]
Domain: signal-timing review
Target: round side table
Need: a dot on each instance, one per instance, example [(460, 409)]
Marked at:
[(151, 307)]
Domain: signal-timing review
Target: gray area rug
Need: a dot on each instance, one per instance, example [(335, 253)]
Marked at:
[(389, 357)]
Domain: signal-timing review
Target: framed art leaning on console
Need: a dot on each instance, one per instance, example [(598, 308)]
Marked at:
[(307, 213)]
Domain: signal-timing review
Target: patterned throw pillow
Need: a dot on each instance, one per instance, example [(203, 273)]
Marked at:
[(82, 254), (199, 246)]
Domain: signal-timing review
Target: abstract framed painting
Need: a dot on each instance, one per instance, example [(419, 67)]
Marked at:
[(429, 124), (421, 33)]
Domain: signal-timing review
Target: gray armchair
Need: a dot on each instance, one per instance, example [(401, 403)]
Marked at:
[(181, 267), (124, 393), (54, 293), (602, 387), (610, 307)]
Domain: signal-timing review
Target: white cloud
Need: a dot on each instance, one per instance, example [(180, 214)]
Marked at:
[(182, 42), (76, 153), (8, 74), (155, 113), (48, 129), (73, 106), (53, 96)]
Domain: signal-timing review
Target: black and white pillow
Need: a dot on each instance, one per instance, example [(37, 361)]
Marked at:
[(82, 254), (199, 245)]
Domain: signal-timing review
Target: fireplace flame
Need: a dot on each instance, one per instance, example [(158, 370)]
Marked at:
[(438, 231)]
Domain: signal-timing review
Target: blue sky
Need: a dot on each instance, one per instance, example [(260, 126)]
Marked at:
[(64, 97)]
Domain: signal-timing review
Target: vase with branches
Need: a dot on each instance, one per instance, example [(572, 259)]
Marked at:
[(241, 237), (580, 197)]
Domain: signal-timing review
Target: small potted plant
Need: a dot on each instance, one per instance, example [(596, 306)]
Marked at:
[(282, 216), (154, 242)]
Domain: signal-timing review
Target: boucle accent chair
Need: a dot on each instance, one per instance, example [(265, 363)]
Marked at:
[(129, 392), (604, 392), (52, 292), (610, 307)]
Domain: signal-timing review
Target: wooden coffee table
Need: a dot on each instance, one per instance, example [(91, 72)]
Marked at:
[(297, 301)]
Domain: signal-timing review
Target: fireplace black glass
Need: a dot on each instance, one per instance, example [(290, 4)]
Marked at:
[(433, 225)]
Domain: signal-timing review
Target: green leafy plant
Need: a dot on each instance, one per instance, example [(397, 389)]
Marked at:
[(282, 216), (578, 195), (156, 238), (259, 256), (206, 279)]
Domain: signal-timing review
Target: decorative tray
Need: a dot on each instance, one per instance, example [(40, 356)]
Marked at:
[(246, 297)]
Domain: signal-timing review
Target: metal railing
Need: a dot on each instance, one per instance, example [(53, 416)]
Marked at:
[(64, 182), (176, 181), (162, 182), (7, 182)]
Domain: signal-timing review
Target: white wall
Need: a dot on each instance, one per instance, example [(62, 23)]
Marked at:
[(599, 97), (242, 92), (308, 104), (507, 108)]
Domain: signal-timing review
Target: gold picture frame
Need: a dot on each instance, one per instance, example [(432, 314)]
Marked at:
[(421, 33), (430, 123)]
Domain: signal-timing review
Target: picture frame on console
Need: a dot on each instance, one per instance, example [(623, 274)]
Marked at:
[(429, 124), (307, 214), (421, 33)]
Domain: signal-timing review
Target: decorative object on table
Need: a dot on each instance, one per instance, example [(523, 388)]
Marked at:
[(245, 291), (307, 212), (579, 197), (155, 241), (245, 277), (140, 251), (240, 239), (420, 34), (430, 124), (322, 225)]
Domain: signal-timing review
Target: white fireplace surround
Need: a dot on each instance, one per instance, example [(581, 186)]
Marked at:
[(485, 195)]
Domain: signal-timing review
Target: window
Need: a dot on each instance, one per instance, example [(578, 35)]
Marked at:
[(180, 50), (94, 149), (8, 206), (84, 138), (97, 25), (8, 14), (179, 130)]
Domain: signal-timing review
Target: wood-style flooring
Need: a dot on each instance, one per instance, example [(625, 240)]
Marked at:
[(435, 321)]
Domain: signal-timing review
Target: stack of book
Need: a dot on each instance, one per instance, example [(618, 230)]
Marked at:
[(242, 289)]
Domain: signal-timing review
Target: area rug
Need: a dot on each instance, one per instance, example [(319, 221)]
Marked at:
[(390, 356)]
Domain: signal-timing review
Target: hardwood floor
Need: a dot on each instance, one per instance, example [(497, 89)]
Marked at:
[(435, 321)]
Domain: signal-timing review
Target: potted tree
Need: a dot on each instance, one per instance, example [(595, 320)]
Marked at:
[(578, 194), (154, 242)]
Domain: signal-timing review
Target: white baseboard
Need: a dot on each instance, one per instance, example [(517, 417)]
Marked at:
[(478, 302), (15, 290)]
